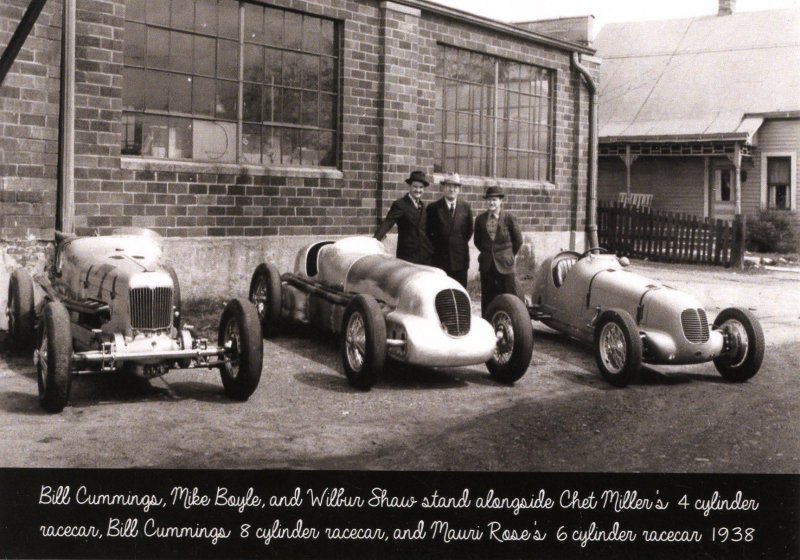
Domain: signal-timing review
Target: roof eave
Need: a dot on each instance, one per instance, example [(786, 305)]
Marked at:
[(723, 136), (506, 28)]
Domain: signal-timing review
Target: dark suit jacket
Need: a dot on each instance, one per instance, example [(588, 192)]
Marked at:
[(506, 244), (413, 244), (450, 235)]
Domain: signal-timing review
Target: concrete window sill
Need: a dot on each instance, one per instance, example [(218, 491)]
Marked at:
[(144, 164)]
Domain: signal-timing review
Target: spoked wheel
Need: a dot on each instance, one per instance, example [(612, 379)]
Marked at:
[(20, 311), (744, 342), (512, 326), (618, 347), (240, 336), (54, 358), (363, 345), (266, 293)]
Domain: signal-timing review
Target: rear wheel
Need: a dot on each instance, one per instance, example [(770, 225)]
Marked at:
[(20, 311), (54, 359), (744, 340), (265, 293), (363, 342), (512, 326), (618, 347), (240, 336)]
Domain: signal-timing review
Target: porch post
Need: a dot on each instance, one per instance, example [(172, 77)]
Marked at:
[(739, 223), (628, 160)]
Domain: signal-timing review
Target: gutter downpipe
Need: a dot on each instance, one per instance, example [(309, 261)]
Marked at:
[(65, 205), (591, 190)]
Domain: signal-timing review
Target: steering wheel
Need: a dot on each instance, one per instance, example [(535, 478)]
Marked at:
[(591, 249)]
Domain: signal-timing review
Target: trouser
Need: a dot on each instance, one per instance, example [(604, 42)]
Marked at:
[(493, 283), (459, 276)]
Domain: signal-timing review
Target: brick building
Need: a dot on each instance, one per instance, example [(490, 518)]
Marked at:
[(240, 130)]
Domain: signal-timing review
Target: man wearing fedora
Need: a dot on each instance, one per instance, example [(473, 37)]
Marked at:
[(408, 212), (449, 227), (498, 238)]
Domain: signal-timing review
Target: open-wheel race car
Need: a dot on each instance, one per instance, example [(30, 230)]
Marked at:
[(630, 319), (381, 307), (109, 303)]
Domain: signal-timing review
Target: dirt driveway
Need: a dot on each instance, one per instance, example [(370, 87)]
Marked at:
[(560, 416)]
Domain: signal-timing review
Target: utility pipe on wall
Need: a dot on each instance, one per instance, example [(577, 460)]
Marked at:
[(591, 190), (65, 205)]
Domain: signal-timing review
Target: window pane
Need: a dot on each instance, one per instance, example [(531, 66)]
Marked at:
[(157, 48), (779, 170), (182, 14), (227, 99), (273, 66), (291, 106), (311, 30), (134, 44), (180, 52), (214, 141), (203, 97), (327, 149), (292, 69), (290, 146), (273, 104), (155, 136), (253, 63), (229, 19), (327, 111), (253, 23), (293, 30), (205, 55), (157, 91), (327, 37), (310, 102), (327, 74), (205, 17), (252, 102), (180, 139), (273, 26), (251, 143), (271, 146), (310, 71), (228, 57), (180, 94), (157, 12), (131, 134), (133, 92)]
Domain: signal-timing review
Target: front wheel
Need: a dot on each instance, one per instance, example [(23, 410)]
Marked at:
[(54, 358), (618, 347), (744, 344), (266, 293), (20, 311), (363, 342), (240, 336), (514, 347)]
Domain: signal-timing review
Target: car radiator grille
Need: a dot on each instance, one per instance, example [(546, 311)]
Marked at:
[(695, 325), (151, 308), (454, 312)]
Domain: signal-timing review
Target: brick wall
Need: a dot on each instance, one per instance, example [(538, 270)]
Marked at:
[(29, 100)]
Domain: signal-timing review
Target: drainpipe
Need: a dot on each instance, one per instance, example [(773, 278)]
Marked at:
[(591, 194), (65, 206)]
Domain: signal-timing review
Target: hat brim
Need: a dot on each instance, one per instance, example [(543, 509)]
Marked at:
[(451, 183), (499, 195), (410, 180)]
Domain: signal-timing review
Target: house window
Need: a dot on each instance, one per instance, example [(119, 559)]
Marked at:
[(779, 181), (722, 185), (229, 81), (493, 116)]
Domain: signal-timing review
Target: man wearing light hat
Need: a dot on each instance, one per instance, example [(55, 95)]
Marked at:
[(498, 238), (449, 228), (408, 212)]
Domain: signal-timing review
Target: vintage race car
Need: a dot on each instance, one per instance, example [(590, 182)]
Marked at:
[(383, 306), (109, 303), (630, 319)]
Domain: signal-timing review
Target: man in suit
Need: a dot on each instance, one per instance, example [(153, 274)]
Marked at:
[(449, 226), (408, 212), (498, 238)]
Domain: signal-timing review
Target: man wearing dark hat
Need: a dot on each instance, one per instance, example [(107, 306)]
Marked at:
[(408, 212), (449, 227), (498, 239)]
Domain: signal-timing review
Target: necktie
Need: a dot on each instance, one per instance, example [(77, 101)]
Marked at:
[(452, 210)]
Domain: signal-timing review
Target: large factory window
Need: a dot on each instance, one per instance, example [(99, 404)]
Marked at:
[(231, 82), (494, 117)]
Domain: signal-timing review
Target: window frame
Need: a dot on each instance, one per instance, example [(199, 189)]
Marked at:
[(495, 148), (324, 91), (765, 157)]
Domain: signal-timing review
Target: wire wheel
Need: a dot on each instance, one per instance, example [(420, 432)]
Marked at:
[(355, 341), (504, 330), (612, 348), (233, 343)]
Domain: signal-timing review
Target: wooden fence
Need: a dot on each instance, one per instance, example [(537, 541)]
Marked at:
[(664, 236)]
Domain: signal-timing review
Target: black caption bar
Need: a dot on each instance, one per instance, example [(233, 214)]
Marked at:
[(300, 514)]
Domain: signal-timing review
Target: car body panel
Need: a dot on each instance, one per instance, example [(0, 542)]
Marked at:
[(571, 301)]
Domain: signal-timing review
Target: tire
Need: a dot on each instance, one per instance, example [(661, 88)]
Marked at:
[(617, 347), (243, 359), (265, 293), (176, 297), (363, 342), (747, 344), (21, 314), (54, 360), (512, 324)]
